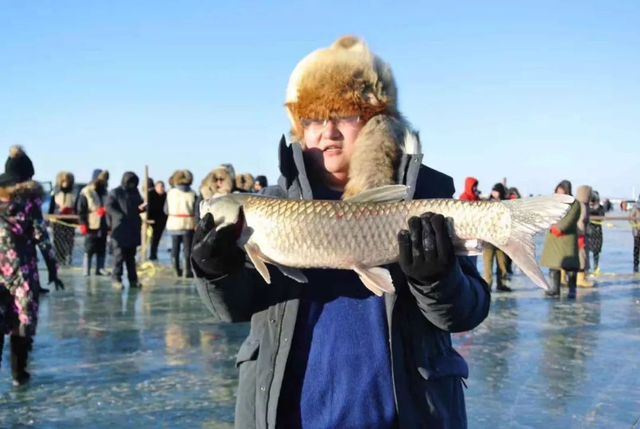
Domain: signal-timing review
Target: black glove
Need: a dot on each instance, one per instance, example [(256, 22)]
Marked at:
[(56, 281), (426, 250), (216, 253)]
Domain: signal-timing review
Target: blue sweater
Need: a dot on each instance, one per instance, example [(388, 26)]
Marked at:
[(339, 371)]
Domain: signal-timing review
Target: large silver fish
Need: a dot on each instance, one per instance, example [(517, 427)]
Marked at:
[(360, 233)]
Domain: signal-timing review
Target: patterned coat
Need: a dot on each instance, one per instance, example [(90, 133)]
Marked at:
[(22, 227)]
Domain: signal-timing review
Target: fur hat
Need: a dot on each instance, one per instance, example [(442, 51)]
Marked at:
[(209, 186), (99, 174), (65, 176), (18, 167), (244, 182), (344, 79), (181, 177), (347, 79)]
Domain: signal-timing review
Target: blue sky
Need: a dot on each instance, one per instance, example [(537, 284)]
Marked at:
[(533, 91)]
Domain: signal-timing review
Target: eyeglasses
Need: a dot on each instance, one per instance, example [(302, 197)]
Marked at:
[(219, 179), (319, 124)]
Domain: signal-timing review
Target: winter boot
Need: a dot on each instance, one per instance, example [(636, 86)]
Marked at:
[(554, 288), (563, 277), (571, 282), (20, 347), (86, 264), (582, 280)]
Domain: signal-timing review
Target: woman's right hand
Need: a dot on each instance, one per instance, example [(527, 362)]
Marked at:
[(215, 254)]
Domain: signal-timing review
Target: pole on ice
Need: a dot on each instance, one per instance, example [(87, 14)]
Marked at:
[(144, 215)]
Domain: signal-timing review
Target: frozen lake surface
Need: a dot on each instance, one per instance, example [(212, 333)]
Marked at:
[(152, 357)]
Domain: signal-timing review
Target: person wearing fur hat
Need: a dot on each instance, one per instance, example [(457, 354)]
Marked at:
[(63, 203), (124, 205), (180, 207), (491, 252), (22, 227), (329, 353), (92, 218), (244, 182), (560, 251), (220, 181)]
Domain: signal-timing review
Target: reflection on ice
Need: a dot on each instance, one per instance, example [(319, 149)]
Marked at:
[(148, 357)]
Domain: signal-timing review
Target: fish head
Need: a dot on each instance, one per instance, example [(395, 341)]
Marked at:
[(226, 210)]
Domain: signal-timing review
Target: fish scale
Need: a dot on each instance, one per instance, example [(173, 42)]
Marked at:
[(361, 233), (345, 232)]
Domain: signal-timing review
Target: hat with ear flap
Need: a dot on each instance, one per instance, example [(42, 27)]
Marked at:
[(347, 79)]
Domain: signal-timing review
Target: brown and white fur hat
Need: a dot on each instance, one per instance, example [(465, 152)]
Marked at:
[(347, 79)]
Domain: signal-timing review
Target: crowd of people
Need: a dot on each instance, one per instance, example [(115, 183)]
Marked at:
[(572, 247), (117, 214), (109, 220)]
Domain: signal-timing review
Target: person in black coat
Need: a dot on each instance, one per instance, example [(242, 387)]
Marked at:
[(124, 206), (157, 199)]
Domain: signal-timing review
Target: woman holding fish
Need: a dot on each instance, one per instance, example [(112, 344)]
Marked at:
[(350, 326), (331, 353)]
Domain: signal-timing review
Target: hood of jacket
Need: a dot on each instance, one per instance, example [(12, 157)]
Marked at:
[(499, 187), (469, 183), (22, 191), (129, 181), (566, 186)]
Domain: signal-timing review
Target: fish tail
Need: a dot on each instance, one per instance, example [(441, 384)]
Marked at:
[(528, 217)]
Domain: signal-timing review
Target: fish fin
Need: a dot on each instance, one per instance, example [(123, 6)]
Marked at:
[(376, 279), (528, 217), (382, 194), (468, 247), (293, 273), (258, 261)]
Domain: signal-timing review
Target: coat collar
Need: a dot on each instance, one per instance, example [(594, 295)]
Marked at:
[(294, 175)]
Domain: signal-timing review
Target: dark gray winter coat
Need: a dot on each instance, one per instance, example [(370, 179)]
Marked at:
[(124, 214), (427, 371)]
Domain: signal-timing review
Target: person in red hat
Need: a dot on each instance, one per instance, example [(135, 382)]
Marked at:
[(471, 192)]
